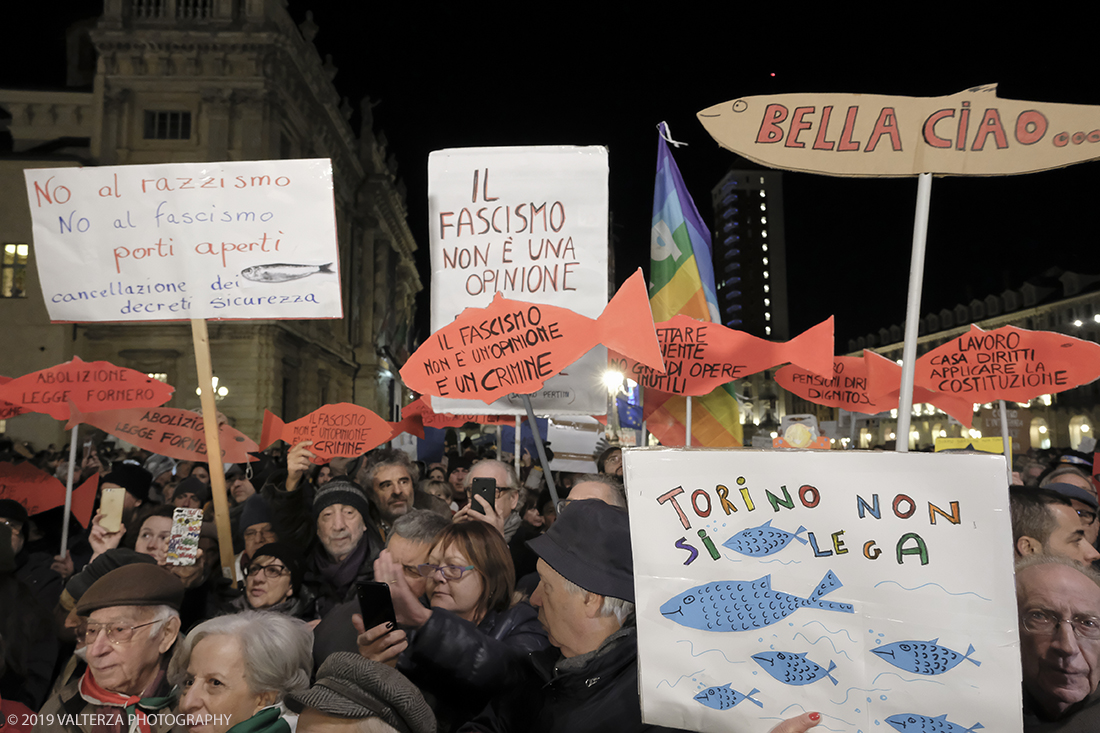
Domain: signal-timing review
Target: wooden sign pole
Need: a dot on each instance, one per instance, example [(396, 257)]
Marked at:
[(213, 447)]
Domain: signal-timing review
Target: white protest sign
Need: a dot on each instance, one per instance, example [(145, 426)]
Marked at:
[(179, 241), (531, 223), (864, 586)]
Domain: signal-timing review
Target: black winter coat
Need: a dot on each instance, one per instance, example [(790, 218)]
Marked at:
[(601, 695), (460, 667)]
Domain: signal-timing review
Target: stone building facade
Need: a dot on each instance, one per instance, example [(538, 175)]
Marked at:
[(158, 81)]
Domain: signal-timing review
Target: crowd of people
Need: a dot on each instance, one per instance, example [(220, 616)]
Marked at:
[(511, 614)]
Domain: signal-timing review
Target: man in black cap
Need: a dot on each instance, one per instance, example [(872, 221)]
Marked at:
[(585, 597), (351, 688), (131, 621), (330, 526)]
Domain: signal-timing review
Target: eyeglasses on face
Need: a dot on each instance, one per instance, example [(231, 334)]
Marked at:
[(253, 533), (450, 572), (562, 503), (1039, 621), (116, 633), (16, 527), (270, 571), (1088, 516)]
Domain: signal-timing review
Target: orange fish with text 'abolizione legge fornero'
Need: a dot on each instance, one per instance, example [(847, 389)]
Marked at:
[(340, 430), (513, 347)]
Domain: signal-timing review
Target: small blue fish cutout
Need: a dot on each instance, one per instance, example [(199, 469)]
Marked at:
[(737, 605), (913, 723), (923, 657), (763, 540), (723, 698), (793, 669)]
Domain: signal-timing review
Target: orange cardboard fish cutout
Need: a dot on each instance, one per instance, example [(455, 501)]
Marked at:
[(700, 356), (7, 409), (421, 408), (340, 430), (91, 386), (1008, 363), (869, 384), (167, 431), (514, 347), (38, 491)]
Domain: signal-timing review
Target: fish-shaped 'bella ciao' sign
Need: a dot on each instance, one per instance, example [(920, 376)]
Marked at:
[(972, 133), (512, 347)]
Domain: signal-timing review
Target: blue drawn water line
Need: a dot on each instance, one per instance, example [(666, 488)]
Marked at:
[(934, 585), (895, 674), (691, 648), (781, 562), (814, 643), (848, 692), (842, 631), (673, 684)]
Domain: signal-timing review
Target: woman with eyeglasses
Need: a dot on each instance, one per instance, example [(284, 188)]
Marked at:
[(273, 582), (459, 651)]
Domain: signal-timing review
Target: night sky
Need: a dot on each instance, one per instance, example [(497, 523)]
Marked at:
[(457, 75)]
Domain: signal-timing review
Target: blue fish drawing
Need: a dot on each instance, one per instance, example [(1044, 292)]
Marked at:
[(723, 698), (793, 669), (923, 657), (763, 540), (738, 605), (914, 723)]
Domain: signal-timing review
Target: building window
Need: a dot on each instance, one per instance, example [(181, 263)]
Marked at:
[(167, 125), (13, 271)]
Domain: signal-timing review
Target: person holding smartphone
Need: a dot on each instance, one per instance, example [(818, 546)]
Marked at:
[(459, 651)]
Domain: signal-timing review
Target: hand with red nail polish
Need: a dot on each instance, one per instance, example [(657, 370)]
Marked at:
[(801, 724)]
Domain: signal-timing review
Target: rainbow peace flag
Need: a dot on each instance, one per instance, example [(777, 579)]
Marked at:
[(682, 281)]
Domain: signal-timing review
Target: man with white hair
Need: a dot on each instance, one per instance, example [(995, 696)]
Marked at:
[(129, 623)]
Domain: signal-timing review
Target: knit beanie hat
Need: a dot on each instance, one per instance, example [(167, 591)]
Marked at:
[(341, 491)]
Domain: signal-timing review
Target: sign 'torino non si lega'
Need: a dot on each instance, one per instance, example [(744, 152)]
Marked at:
[(531, 224), (231, 240), (865, 586)]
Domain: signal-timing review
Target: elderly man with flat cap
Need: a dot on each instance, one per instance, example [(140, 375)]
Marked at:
[(358, 695), (585, 597), (130, 623)]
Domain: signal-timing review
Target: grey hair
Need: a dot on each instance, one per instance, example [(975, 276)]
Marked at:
[(161, 615), (1063, 470), (277, 650), (618, 491), (419, 525), (1033, 560), (386, 457), (509, 471), (620, 608)]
